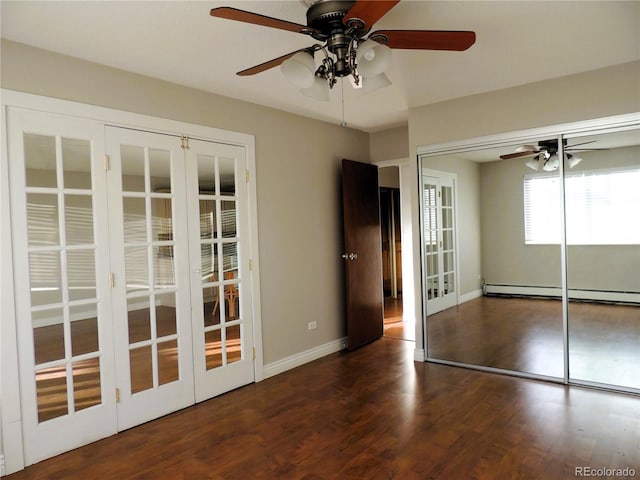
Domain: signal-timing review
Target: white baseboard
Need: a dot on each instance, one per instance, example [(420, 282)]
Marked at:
[(2, 472), (470, 296), (280, 366), (419, 355), (593, 295)]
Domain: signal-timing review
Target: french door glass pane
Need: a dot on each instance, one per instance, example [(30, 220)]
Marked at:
[(159, 170), (141, 367), (138, 320), (81, 274), (76, 159), (168, 362), (213, 348), (133, 168), (135, 223), (78, 212), (40, 160), (211, 298), (136, 268), (51, 388), (48, 341), (227, 174), (233, 344), (86, 383), (163, 267), (228, 214), (45, 274), (42, 219), (166, 314)]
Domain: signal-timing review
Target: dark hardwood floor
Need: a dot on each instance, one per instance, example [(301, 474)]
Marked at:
[(372, 413)]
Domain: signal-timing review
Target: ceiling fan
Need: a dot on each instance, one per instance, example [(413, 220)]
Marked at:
[(346, 47), (545, 154)]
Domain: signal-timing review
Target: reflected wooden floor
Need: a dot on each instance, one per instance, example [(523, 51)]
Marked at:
[(372, 414), (526, 335)]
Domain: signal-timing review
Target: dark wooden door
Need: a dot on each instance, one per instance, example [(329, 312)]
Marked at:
[(362, 253)]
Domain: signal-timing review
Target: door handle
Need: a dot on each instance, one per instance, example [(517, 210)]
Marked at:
[(350, 256)]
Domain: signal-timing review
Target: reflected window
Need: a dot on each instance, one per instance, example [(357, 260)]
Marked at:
[(600, 206)]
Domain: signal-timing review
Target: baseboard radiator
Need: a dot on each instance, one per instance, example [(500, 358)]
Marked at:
[(580, 295)]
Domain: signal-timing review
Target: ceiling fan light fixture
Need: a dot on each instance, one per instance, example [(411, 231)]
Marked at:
[(372, 58), (370, 84), (319, 90), (573, 160), (533, 164), (299, 69), (551, 164)]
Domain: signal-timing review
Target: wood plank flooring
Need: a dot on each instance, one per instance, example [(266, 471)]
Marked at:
[(372, 414)]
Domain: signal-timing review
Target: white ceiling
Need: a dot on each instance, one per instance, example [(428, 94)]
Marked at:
[(518, 42)]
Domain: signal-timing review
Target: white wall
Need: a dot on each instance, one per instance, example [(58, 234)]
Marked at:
[(389, 144)]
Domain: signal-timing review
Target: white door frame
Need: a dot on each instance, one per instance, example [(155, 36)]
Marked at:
[(11, 415)]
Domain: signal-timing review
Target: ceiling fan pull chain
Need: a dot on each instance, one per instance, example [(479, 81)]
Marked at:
[(343, 123)]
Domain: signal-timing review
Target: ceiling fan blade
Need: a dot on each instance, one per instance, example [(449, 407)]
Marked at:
[(509, 156), (587, 149), (425, 39), (267, 65), (576, 144), (368, 12), (230, 13)]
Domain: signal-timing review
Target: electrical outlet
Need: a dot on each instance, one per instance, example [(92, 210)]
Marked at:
[(312, 325)]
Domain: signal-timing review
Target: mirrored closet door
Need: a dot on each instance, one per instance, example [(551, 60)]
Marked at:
[(548, 260), (602, 191), (508, 312)]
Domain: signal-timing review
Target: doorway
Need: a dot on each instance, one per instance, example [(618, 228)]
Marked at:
[(396, 323)]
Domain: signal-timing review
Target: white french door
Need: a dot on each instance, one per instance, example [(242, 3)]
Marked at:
[(150, 265), (132, 276), (220, 293), (439, 237), (63, 299)]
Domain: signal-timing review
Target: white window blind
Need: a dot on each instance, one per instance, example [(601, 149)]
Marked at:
[(603, 208)]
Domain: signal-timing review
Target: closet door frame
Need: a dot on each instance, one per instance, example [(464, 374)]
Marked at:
[(11, 414)]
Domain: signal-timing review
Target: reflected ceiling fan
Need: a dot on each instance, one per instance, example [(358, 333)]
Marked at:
[(346, 48), (545, 154)]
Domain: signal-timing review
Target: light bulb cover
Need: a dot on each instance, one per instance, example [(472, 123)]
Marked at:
[(573, 160), (370, 84), (533, 164), (372, 58), (319, 90), (551, 164), (299, 69)]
